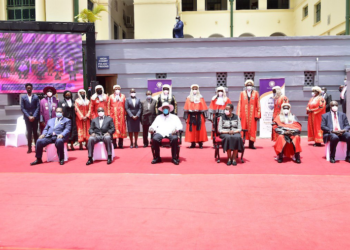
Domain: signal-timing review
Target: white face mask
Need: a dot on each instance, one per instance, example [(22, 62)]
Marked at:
[(194, 92), (220, 94), (227, 112), (313, 94), (49, 94), (286, 111), (133, 94), (101, 114), (149, 97), (335, 108), (166, 92), (249, 88), (117, 92)]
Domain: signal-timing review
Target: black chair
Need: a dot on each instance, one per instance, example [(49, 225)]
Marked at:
[(217, 141), (165, 143)]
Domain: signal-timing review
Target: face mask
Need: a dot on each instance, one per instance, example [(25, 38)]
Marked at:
[(49, 94), (194, 92), (117, 92), (101, 113), (286, 111), (133, 94), (99, 91), (220, 94), (335, 108), (59, 115), (149, 97), (165, 111), (227, 112), (83, 96), (29, 91), (166, 92), (177, 20), (313, 94), (68, 97), (249, 88)]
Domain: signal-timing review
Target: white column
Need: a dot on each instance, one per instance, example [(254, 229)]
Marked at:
[(262, 4), (40, 12), (200, 5), (3, 15)]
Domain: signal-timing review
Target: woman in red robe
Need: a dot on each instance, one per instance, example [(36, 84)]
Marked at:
[(279, 99), (82, 111), (195, 113), (315, 109), (116, 110), (288, 130)]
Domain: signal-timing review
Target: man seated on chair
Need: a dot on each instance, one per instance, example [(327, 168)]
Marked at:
[(288, 130), (335, 128), (57, 130), (165, 125), (101, 130)]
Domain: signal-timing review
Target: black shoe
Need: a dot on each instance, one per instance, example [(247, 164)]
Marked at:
[(280, 160), (156, 160), (145, 146), (332, 160), (121, 146), (200, 144), (228, 163), (251, 145), (109, 160), (297, 158), (62, 162), (234, 163), (36, 162), (175, 161), (72, 148), (115, 145), (131, 145), (29, 151), (90, 161), (193, 145), (136, 146), (347, 159), (81, 147), (317, 145)]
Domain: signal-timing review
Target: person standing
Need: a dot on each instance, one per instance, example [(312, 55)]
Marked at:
[(178, 30), (218, 103), (48, 106), (30, 106), (249, 111), (168, 97), (327, 98), (279, 99), (148, 116), (133, 108), (343, 96), (82, 111), (68, 107), (195, 113), (315, 109), (116, 110), (99, 99)]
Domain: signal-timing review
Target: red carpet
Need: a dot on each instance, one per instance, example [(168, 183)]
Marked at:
[(193, 161)]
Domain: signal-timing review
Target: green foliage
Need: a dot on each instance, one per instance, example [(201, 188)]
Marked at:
[(88, 16)]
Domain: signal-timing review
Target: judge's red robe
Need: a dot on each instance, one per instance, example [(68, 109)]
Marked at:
[(289, 149), (318, 106), (95, 103), (276, 111), (248, 111), (216, 109), (116, 110), (194, 135), (82, 110)]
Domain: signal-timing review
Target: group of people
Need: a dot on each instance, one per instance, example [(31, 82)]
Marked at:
[(108, 118)]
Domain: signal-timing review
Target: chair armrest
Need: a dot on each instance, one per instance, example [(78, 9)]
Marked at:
[(180, 135)]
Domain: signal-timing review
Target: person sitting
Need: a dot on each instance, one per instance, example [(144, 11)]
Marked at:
[(230, 132), (336, 128), (166, 125), (57, 130), (101, 130), (288, 129)]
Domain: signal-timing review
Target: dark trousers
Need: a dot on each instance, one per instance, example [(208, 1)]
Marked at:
[(145, 129), (107, 140), (42, 143), (334, 139), (32, 129), (156, 143)]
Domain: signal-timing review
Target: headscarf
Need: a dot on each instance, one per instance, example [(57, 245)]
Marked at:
[(223, 99), (287, 119), (195, 98), (81, 101), (278, 92)]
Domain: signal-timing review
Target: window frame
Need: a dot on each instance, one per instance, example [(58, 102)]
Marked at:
[(21, 6), (305, 8), (318, 12)]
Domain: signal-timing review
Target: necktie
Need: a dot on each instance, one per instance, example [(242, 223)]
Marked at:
[(335, 122)]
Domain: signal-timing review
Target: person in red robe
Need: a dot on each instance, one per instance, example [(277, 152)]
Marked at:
[(288, 129), (195, 113), (315, 109), (116, 110), (82, 111), (279, 99), (249, 111), (99, 99)]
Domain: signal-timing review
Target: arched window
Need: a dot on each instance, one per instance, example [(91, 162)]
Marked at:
[(216, 35), (278, 34), (188, 36), (247, 35)]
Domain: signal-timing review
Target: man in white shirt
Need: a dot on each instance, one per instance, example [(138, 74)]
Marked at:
[(166, 125)]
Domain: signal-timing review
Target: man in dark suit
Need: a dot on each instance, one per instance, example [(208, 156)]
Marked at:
[(30, 106), (178, 29), (148, 116), (327, 98), (57, 130), (101, 130), (336, 128)]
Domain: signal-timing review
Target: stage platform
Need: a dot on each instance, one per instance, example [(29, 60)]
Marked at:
[(197, 205)]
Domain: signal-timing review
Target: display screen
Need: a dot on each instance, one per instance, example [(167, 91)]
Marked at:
[(41, 59)]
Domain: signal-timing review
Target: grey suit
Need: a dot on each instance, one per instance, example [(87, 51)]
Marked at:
[(133, 125), (147, 118)]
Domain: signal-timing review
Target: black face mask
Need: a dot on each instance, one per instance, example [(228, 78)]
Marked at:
[(83, 96), (68, 97), (99, 91), (29, 91)]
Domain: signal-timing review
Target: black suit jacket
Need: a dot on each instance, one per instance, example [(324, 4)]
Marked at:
[(107, 126), (328, 99), (327, 124), (30, 108)]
